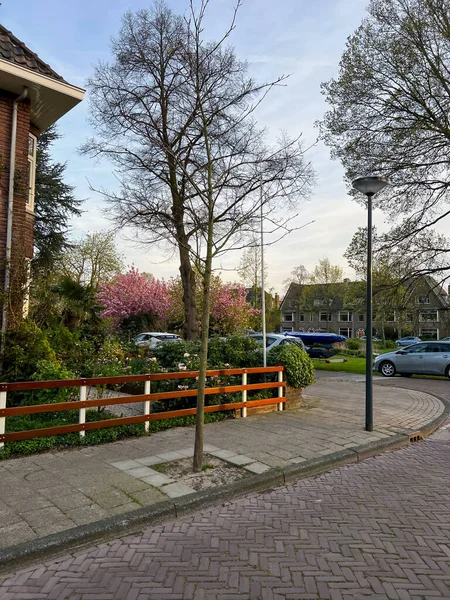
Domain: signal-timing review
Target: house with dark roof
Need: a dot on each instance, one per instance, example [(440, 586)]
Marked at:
[(340, 308), (32, 97)]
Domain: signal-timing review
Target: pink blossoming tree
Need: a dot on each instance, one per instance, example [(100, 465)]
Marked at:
[(133, 294)]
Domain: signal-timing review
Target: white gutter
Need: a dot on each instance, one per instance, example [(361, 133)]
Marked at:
[(9, 223)]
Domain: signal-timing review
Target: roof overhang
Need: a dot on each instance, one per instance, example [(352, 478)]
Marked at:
[(50, 99)]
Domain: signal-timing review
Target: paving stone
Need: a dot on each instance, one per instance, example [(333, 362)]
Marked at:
[(86, 514), (126, 465), (148, 461), (168, 456), (140, 472), (257, 467), (111, 499), (149, 496), (240, 459), (157, 479), (222, 453), (174, 490)]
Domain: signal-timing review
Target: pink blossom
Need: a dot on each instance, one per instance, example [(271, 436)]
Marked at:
[(132, 294)]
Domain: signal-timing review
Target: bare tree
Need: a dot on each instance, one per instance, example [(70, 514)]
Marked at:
[(249, 270), (175, 114), (298, 275)]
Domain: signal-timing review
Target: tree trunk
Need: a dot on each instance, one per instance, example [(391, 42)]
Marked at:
[(189, 304)]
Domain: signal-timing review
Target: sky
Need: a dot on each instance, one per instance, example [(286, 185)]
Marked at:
[(298, 37)]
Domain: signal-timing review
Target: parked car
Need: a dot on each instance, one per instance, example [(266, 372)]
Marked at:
[(275, 339), (424, 358), (151, 339), (446, 339), (318, 345), (363, 338), (408, 340)]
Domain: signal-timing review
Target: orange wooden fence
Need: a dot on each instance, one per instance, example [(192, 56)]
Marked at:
[(147, 397)]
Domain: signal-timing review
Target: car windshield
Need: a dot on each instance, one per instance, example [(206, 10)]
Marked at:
[(417, 348)]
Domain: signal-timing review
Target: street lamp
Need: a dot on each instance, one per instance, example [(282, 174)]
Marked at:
[(369, 186)]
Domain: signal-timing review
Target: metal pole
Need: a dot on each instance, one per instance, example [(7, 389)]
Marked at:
[(369, 383), (263, 293)]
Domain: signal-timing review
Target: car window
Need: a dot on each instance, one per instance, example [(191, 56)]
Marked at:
[(270, 340), (416, 349)]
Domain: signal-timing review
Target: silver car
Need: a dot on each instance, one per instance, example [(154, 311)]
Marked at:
[(425, 358), (275, 339)]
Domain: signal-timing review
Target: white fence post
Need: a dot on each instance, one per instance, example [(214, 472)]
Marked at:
[(244, 395), (147, 408), (280, 389), (2, 419), (82, 418)]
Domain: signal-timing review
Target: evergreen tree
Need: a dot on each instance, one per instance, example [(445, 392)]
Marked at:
[(54, 204)]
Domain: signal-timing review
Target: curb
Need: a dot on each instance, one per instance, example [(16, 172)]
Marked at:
[(128, 523)]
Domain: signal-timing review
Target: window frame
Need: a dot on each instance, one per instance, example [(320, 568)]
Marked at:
[(31, 172), (348, 314)]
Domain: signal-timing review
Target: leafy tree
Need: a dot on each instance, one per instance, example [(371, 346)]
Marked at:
[(174, 114), (54, 204), (389, 113), (92, 261)]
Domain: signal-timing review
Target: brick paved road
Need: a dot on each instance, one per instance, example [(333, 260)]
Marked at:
[(379, 529)]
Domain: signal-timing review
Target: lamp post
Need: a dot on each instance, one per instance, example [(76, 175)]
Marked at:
[(369, 186)]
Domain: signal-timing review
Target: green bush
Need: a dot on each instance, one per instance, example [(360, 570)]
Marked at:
[(299, 367), (390, 344), (353, 344), (24, 348)]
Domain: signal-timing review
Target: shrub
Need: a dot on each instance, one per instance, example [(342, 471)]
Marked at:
[(24, 347), (390, 344), (353, 344), (299, 367)]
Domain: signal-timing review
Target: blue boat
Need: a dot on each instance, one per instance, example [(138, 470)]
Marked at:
[(310, 338), (318, 345)]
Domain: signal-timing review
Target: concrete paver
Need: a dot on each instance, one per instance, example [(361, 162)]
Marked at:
[(378, 529), (87, 484)]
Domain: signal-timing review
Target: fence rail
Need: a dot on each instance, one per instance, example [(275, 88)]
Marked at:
[(147, 398)]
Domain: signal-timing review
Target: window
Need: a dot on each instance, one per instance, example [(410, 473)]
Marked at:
[(345, 316), (289, 317), (311, 318), (301, 317), (283, 329), (32, 141), (323, 317), (409, 317), (389, 317), (428, 315), (345, 331), (416, 349), (360, 318), (26, 296), (429, 334), (423, 300), (318, 302)]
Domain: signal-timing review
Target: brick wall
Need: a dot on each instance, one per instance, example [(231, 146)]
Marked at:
[(23, 220)]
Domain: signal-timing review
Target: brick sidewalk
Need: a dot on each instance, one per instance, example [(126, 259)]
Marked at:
[(378, 529), (56, 491)]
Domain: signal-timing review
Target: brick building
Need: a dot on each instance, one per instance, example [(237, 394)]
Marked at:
[(304, 308), (32, 97)]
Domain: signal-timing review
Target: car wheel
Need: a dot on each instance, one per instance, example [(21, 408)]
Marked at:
[(405, 374), (447, 372), (387, 369)]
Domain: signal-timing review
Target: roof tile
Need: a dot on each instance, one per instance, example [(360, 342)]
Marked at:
[(15, 51)]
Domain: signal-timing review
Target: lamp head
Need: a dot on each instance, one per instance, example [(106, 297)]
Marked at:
[(370, 185)]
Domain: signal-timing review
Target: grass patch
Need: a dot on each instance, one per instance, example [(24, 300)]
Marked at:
[(92, 437), (354, 364)]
